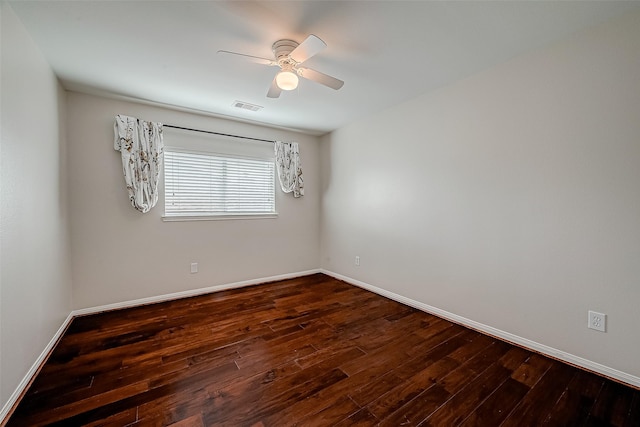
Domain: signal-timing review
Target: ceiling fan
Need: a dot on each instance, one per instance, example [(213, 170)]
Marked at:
[(289, 55)]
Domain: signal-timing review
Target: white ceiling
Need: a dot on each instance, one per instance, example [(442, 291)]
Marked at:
[(385, 51)]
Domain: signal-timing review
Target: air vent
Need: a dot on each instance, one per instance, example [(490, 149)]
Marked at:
[(247, 106)]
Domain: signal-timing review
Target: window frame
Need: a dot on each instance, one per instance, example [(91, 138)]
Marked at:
[(218, 216)]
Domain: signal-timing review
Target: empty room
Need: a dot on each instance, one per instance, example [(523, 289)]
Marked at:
[(320, 213)]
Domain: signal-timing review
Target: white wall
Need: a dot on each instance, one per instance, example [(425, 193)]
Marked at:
[(511, 198), (120, 254), (35, 285)]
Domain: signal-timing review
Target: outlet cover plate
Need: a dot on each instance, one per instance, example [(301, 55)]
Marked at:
[(597, 321)]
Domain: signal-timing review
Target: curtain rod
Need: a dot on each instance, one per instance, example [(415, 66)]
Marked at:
[(218, 133)]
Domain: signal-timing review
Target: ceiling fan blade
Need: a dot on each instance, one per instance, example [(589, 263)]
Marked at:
[(321, 78), (256, 59), (274, 90), (309, 47)]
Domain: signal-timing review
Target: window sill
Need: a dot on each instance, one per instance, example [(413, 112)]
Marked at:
[(179, 218)]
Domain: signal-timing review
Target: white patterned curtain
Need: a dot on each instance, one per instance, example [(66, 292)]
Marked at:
[(289, 167), (140, 144)]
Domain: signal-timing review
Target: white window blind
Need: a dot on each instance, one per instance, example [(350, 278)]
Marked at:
[(204, 184)]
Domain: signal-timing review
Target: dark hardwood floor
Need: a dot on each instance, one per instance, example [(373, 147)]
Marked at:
[(312, 351)]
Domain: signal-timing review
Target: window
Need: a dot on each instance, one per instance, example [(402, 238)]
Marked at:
[(199, 184)]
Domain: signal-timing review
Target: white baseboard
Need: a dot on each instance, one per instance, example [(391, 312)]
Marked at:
[(127, 304), (189, 293), (34, 369), (615, 374)]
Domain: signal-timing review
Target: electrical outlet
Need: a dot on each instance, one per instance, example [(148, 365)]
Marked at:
[(597, 321), (357, 260), (194, 267)]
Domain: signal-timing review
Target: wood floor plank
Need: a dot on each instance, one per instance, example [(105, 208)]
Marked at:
[(124, 418), (391, 354), (378, 384), (363, 380), (456, 409), (72, 408), (633, 416), (342, 408), (498, 405), (305, 408), (477, 343), (611, 406), (260, 396), (362, 418), (416, 410), (310, 351), (536, 405), (461, 376), (532, 370), (397, 397), (514, 358), (192, 421), (574, 406), (250, 407)]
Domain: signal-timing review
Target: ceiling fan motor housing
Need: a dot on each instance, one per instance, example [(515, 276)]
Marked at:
[(282, 49)]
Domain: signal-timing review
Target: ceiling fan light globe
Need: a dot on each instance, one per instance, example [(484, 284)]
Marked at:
[(287, 80)]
